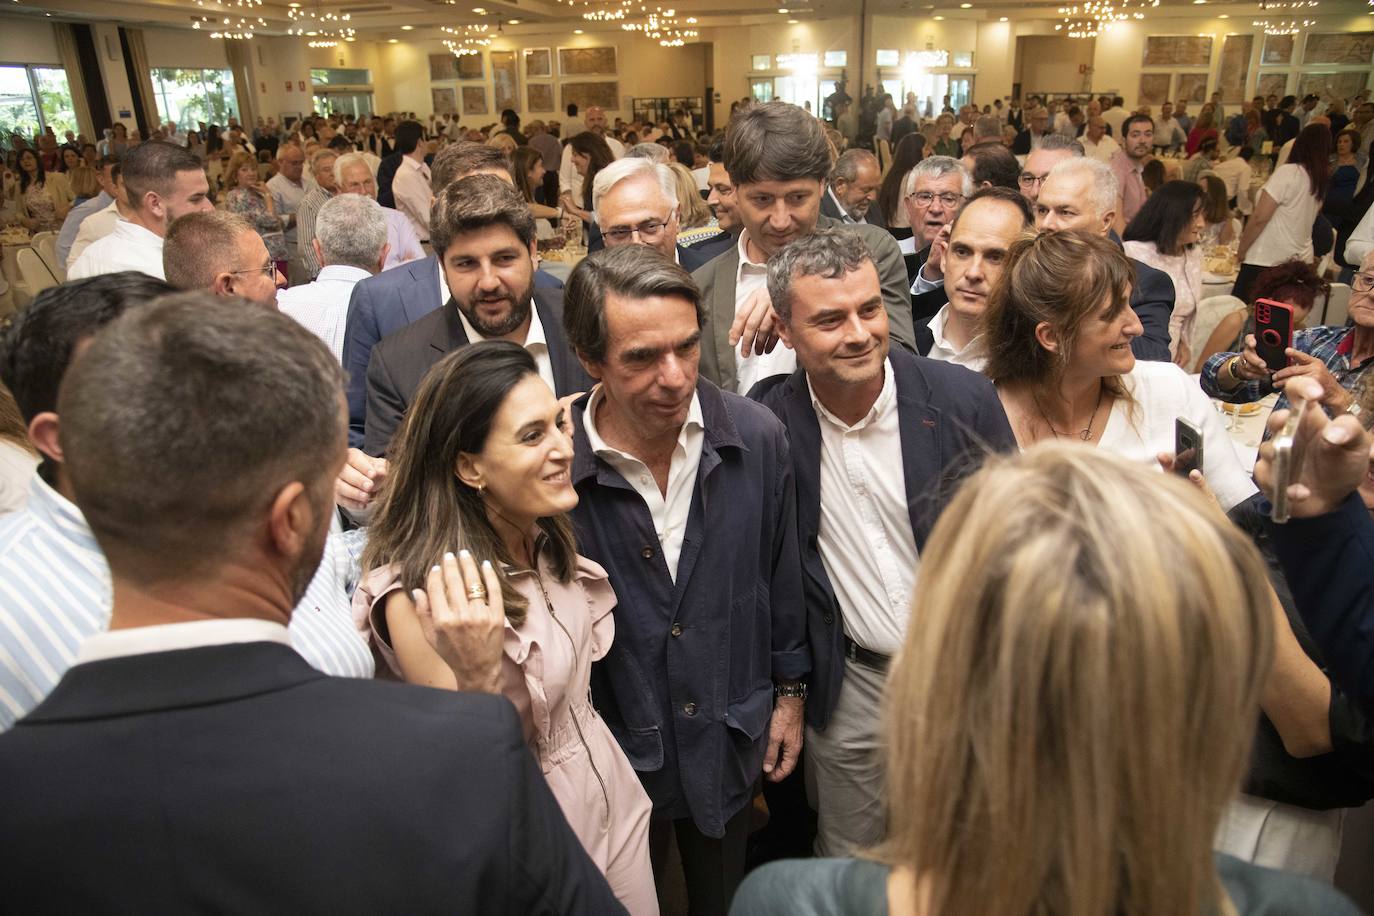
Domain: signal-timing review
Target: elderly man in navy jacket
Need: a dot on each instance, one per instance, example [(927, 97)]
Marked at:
[(686, 498), (879, 439)]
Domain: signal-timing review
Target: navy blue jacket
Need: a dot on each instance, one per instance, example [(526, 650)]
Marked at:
[(382, 305), (687, 687), (1327, 561), (950, 417)]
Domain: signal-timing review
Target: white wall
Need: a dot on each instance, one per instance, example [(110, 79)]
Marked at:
[(1051, 63), (26, 40)]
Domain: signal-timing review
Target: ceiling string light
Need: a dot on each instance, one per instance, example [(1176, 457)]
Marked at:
[(229, 28), (319, 25), (470, 39), (1093, 17), (662, 26)]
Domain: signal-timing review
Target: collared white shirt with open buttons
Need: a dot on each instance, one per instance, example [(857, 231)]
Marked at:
[(752, 369), (865, 537), (536, 341), (668, 510)]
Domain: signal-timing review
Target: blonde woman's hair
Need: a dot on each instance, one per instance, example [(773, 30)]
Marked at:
[(1061, 279), (692, 210), (505, 143), (84, 181), (230, 175), (1076, 697)]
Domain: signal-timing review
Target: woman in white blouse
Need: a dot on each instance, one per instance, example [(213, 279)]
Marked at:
[(1280, 229), (1059, 328), (1164, 235)]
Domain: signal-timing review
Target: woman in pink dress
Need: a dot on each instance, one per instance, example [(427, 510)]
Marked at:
[(482, 465)]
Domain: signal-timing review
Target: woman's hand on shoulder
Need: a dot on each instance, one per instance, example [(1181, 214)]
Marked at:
[(463, 617)]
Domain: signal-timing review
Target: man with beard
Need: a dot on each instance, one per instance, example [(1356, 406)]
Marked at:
[(852, 192), (484, 239), (1137, 148)]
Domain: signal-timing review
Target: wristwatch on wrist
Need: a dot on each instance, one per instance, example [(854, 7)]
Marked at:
[(790, 689)]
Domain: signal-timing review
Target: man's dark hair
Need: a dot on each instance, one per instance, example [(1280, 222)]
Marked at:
[(631, 271), (572, 109), (1001, 195), (994, 163), (1287, 102), (1246, 153), (1118, 101), (685, 152), (39, 345), (776, 141), (341, 143), (1136, 119), (716, 153), (153, 166), (408, 136), (475, 203), (185, 418), (459, 160), (510, 118)]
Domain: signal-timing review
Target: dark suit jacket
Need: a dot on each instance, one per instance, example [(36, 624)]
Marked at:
[(237, 779), (400, 361), (386, 173), (382, 305), (1152, 297), (710, 249), (831, 209), (923, 305), (950, 418), (717, 282), (693, 258)]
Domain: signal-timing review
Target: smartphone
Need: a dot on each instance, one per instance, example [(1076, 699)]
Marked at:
[(1187, 447), (1288, 457), (1273, 332)]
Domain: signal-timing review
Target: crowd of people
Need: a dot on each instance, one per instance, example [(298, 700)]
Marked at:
[(834, 487)]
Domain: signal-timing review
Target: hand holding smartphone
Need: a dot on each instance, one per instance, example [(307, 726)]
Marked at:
[(1273, 332), (1289, 451), (1187, 447)]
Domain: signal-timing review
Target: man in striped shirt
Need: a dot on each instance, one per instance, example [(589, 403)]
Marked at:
[(54, 581)]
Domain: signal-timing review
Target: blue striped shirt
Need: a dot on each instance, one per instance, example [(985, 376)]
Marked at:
[(55, 592)]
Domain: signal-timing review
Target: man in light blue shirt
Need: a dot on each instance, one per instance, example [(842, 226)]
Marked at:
[(54, 581), (109, 171)]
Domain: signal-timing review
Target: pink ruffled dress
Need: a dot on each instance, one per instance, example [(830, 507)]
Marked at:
[(546, 671)]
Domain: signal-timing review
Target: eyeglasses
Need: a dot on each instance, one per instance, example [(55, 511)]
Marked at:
[(926, 198), (268, 270), (649, 230), (1027, 180), (1362, 283)]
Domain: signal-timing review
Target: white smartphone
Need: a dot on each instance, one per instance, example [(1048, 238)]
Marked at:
[(1288, 457)]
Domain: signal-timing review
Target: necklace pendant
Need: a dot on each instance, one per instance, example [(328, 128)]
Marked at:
[(1086, 434)]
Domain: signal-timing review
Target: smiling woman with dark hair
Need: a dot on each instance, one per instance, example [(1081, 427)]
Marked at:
[(1165, 235)]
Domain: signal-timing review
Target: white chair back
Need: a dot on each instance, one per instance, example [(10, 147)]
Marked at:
[(47, 250), (1337, 305), (36, 275), (1210, 312), (39, 236)]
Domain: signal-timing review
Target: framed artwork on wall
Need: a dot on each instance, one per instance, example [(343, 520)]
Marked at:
[(1356, 48), (442, 67), (538, 62), (586, 62), (1235, 67), (605, 95), (1191, 87), (1332, 85), (470, 67), (1178, 51), (474, 100), (505, 79), (1272, 84), (1278, 49), (444, 100), (1154, 88), (540, 96)]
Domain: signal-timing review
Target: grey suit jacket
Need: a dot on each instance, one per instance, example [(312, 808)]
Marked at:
[(717, 282)]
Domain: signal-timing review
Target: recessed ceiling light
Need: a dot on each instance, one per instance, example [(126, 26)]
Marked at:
[(512, 22), (939, 18), (1199, 2), (1224, 16), (350, 39), (294, 6), (1002, 19), (577, 31), (407, 28), (793, 21), (479, 10), (966, 6), (784, 10), (392, 41)]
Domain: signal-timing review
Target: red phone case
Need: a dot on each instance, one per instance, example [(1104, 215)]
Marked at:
[(1273, 332)]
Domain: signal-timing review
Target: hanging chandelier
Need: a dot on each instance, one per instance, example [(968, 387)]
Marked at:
[(230, 28), (663, 26), (319, 25), (1093, 17), (1291, 26), (470, 39)]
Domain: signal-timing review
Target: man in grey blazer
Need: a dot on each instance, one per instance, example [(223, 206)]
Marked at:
[(851, 194), (778, 161)]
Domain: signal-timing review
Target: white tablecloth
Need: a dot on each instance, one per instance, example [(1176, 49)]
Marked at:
[(1246, 432)]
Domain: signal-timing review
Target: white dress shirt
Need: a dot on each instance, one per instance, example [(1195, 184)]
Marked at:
[(972, 356), (404, 243), (865, 537), (172, 637), (93, 228), (322, 306), (128, 247), (412, 191), (288, 195), (1235, 172), (1102, 151), (752, 369), (668, 510), (536, 341)]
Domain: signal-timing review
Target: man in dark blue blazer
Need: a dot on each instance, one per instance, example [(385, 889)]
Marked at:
[(488, 242), (878, 437), (384, 304), (851, 193), (191, 761), (1082, 193)]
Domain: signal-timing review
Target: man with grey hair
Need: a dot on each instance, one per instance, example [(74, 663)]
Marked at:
[(654, 152), (685, 499), (634, 201), (935, 190), (326, 183), (1083, 194), (353, 175), (777, 159), (288, 190), (850, 409), (852, 191), (349, 245)]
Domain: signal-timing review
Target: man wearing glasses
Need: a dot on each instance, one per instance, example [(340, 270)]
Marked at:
[(635, 203), (1338, 356), (935, 190)]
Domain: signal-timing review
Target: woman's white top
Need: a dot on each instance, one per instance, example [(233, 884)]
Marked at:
[(1141, 430), (1288, 234)]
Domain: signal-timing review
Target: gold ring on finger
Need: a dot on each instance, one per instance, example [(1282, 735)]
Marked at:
[(477, 593)]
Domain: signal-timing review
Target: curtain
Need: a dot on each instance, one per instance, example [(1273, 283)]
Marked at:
[(240, 58), (140, 71), (69, 55)]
